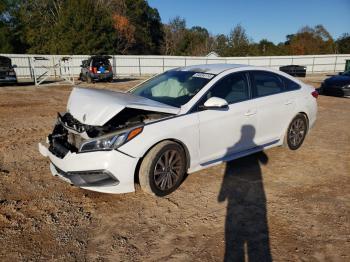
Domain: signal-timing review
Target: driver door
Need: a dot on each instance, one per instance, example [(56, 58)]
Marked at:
[(226, 131)]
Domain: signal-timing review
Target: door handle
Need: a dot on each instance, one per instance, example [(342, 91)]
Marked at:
[(288, 102), (250, 113)]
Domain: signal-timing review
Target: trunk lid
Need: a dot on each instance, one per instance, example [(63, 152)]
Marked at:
[(97, 106)]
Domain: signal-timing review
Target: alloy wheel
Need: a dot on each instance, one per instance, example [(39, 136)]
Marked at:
[(297, 132), (167, 170)]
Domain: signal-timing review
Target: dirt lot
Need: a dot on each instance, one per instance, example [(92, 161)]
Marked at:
[(284, 205)]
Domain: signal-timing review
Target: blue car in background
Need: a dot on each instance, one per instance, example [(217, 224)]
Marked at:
[(338, 85)]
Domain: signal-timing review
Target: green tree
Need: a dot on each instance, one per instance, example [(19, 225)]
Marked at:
[(221, 45), (238, 42), (343, 44), (174, 39), (68, 27), (149, 33)]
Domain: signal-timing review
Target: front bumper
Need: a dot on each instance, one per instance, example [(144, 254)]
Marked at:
[(101, 171)]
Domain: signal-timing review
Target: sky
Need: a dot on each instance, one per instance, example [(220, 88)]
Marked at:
[(270, 19)]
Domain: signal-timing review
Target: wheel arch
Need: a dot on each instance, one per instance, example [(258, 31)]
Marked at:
[(306, 117), (184, 147)]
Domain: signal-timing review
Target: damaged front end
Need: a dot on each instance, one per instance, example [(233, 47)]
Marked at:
[(70, 135), (83, 146)]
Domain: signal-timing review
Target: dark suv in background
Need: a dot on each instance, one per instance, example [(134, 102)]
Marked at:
[(96, 68), (7, 72), (294, 70)]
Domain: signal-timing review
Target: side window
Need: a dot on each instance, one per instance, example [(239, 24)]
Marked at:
[(233, 88), (290, 85), (266, 83)]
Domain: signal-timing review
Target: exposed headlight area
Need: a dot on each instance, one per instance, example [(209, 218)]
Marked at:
[(69, 135), (109, 142)]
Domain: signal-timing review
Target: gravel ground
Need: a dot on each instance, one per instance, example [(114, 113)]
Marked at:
[(284, 205)]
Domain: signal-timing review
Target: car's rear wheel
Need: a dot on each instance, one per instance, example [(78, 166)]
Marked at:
[(296, 132), (88, 79), (163, 168)]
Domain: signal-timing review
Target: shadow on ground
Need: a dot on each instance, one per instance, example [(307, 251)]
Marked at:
[(246, 228)]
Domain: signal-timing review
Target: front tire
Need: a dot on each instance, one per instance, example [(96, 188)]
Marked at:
[(296, 132), (163, 169)]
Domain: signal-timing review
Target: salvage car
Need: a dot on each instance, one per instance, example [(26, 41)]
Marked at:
[(96, 68), (294, 70), (337, 85), (177, 122), (7, 71)]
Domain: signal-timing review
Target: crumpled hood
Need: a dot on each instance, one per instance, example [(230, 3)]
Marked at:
[(97, 106)]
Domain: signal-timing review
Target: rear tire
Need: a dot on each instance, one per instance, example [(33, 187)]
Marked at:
[(296, 132), (88, 79), (163, 169)]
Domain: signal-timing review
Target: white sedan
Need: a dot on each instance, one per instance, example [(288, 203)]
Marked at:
[(178, 122)]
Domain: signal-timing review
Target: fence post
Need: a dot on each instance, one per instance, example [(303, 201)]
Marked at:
[(139, 66), (335, 63), (54, 67), (185, 61), (163, 65), (313, 64), (270, 62), (30, 68), (114, 66)]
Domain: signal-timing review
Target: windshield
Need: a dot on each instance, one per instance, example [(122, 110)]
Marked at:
[(173, 88)]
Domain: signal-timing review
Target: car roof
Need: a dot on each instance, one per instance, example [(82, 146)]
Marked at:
[(211, 68)]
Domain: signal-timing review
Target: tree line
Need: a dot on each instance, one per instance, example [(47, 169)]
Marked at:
[(133, 27)]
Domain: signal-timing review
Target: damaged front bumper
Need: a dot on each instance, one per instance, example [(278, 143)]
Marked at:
[(101, 171)]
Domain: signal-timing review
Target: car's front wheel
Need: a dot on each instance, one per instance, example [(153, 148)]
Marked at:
[(296, 132), (163, 168)]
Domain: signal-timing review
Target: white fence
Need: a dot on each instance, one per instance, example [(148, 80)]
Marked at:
[(128, 65)]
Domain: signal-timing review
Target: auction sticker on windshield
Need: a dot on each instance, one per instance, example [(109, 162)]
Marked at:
[(201, 75)]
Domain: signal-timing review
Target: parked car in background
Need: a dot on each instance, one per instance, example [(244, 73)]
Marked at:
[(294, 70), (96, 68), (7, 71), (337, 85), (178, 122)]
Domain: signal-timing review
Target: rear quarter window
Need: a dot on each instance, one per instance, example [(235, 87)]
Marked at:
[(290, 85), (266, 83)]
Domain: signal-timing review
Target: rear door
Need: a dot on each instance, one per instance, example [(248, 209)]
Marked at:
[(275, 106), (226, 131)]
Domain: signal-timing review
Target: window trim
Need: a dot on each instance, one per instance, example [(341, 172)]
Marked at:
[(282, 78), (195, 107)]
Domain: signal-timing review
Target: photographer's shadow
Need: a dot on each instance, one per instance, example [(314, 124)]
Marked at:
[(246, 228)]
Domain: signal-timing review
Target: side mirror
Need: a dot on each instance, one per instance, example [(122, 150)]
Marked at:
[(14, 66), (340, 73), (215, 103), (81, 66)]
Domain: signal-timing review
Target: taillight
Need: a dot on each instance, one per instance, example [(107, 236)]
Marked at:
[(93, 69), (314, 94)]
